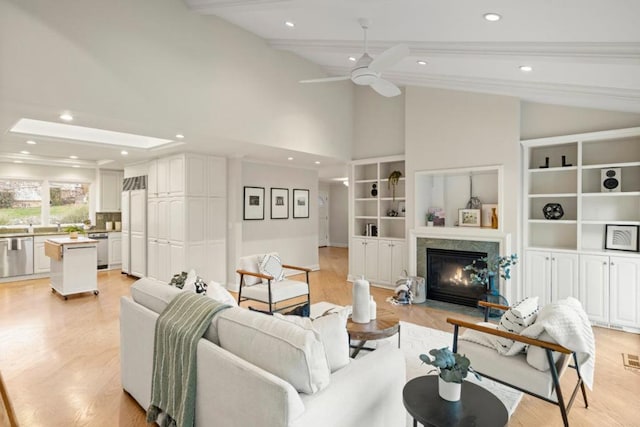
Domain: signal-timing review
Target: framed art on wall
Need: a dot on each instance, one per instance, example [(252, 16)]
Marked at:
[(253, 203), (279, 203), (469, 217), (300, 203), (621, 237)]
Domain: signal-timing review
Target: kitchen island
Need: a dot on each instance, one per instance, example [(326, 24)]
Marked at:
[(73, 265)]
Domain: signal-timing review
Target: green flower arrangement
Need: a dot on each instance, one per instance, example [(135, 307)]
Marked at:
[(451, 367), (483, 269)]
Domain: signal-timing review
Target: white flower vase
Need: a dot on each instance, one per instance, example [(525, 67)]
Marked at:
[(449, 391), (361, 301)]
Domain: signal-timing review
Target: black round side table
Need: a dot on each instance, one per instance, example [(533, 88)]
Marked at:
[(477, 407)]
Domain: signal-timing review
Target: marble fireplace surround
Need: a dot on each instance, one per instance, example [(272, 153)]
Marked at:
[(459, 238)]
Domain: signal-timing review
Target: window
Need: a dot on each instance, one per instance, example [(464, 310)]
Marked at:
[(20, 202), (69, 202)]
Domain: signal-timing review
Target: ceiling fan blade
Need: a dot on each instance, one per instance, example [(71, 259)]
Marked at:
[(385, 88), (389, 58), (326, 79)]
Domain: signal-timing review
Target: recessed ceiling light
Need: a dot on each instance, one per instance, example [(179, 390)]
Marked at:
[(526, 68), (492, 17), (421, 62), (180, 136), (75, 166), (289, 24), (124, 153), (73, 157), (24, 152), (352, 58), (317, 162), (289, 158), (66, 117), (17, 161), (86, 134), (30, 142)]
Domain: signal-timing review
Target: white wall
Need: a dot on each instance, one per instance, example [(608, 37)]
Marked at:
[(544, 120), (155, 68), (451, 129), (378, 124), (295, 239), (338, 215)]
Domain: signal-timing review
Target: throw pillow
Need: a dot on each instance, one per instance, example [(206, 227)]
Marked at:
[(179, 279), (190, 281), (271, 266), (219, 293), (515, 320)]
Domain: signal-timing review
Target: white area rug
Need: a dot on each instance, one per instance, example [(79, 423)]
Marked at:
[(415, 340)]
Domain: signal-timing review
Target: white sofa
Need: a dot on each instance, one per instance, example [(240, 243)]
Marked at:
[(234, 392)]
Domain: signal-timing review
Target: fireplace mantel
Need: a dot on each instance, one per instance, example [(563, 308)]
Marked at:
[(457, 233)]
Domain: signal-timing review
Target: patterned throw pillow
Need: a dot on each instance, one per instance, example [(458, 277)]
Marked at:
[(515, 320), (190, 282), (272, 266), (179, 279)]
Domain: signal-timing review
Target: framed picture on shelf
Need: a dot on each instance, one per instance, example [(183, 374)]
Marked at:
[(279, 203), (438, 215), (621, 237), (469, 217), (253, 203), (300, 203)]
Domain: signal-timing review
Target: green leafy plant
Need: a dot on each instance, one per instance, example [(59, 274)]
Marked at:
[(430, 216), (483, 269), (72, 228), (394, 178), (451, 367)]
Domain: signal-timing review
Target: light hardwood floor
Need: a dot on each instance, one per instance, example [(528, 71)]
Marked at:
[(60, 359)]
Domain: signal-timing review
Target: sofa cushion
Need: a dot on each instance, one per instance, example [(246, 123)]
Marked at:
[(219, 293), (280, 291), (153, 294), (515, 320), (271, 265), (282, 348), (537, 356)]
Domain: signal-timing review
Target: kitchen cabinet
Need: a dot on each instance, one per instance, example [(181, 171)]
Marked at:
[(364, 258), (115, 250), (41, 262), (610, 290), (390, 261), (551, 276), (110, 187)]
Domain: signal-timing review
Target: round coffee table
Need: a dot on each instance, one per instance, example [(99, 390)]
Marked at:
[(386, 324), (477, 406)]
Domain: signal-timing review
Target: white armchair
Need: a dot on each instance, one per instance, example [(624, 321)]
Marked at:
[(515, 371), (264, 288)]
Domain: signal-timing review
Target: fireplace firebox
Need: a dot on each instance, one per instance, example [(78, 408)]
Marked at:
[(448, 281)]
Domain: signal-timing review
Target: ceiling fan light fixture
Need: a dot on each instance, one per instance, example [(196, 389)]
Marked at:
[(492, 17)]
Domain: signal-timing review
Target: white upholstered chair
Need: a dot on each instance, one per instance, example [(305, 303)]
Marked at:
[(515, 371), (264, 288)]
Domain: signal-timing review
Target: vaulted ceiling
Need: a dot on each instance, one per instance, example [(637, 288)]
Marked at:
[(583, 52)]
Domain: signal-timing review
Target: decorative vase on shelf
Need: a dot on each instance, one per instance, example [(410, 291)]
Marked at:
[(361, 301), (494, 219), (449, 391), (429, 223), (374, 190)]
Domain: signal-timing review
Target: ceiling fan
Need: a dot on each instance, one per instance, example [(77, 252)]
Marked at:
[(367, 70)]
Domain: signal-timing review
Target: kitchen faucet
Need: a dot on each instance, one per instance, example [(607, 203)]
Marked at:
[(58, 226)]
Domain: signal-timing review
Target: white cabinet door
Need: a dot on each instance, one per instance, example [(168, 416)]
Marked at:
[(138, 211), (176, 258), (196, 176), (176, 220), (152, 179), (110, 189), (115, 248), (538, 276), (196, 219), (126, 264), (624, 287), (152, 218), (356, 257), (164, 261), (163, 219), (152, 259), (138, 255), (41, 262), (124, 197), (594, 286), (385, 255), (398, 265), (176, 175), (564, 276), (162, 174), (371, 260)]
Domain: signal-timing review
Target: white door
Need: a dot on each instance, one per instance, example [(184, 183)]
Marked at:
[(594, 286), (397, 260), (138, 255), (41, 262), (176, 220), (356, 257), (371, 260), (115, 248), (152, 259), (152, 218), (538, 276), (138, 211), (385, 254), (624, 287), (126, 247), (323, 218), (163, 219), (564, 276), (124, 203)]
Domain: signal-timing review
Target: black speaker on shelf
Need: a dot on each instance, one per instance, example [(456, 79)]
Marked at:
[(610, 180)]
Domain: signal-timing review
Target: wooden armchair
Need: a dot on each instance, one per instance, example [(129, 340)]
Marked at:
[(514, 371), (260, 287)]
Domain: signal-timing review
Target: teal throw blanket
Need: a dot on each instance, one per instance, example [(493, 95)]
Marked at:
[(178, 330)]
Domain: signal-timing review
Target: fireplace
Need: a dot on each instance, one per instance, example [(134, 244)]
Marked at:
[(446, 279)]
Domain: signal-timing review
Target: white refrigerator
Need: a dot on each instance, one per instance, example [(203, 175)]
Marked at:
[(134, 226)]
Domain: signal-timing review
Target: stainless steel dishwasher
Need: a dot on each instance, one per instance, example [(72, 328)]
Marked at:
[(103, 248), (16, 256)]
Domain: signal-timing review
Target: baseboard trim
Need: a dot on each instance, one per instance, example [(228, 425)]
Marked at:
[(339, 245)]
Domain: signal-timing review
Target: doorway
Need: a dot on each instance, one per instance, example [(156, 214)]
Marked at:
[(323, 218)]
